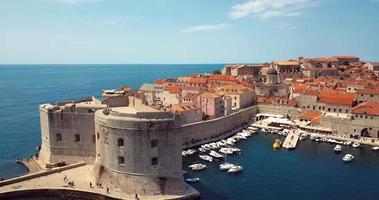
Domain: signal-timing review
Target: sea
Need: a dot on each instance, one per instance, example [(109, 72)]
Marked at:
[(311, 172)]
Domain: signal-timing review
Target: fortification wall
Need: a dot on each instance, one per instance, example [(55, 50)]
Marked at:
[(279, 110), (67, 134), (139, 155), (194, 133)]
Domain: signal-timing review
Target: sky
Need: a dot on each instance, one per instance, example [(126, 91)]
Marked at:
[(185, 31)]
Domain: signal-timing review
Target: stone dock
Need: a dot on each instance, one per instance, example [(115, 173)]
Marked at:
[(291, 140)]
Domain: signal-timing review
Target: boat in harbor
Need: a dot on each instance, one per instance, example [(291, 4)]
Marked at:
[(215, 154), (302, 136), (206, 158), (348, 158), (376, 148), (277, 144), (197, 166), (356, 145), (192, 180), (348, 143), (338, 148), (226, 166), (226, 151), (188, 152), (235, 169)]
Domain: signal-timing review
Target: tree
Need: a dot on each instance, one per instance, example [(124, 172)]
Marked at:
[(216, 72)]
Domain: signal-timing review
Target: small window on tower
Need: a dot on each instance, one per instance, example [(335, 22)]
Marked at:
[(59, 137), (120, 142), (154, 161), (77, 138), (121, 160), (154, 143)]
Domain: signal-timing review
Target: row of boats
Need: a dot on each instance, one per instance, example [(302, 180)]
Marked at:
[(217, 150)]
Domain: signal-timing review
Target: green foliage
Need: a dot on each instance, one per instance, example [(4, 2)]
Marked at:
[(216, 72)]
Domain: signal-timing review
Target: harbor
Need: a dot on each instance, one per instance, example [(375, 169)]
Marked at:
[(310, 159)]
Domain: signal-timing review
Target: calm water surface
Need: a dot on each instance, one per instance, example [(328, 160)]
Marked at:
[(312, 171)]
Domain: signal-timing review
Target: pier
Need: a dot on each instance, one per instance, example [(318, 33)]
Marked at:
[(291, 140)]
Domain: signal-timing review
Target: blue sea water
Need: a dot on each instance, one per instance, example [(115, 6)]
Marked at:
[(312, 171)]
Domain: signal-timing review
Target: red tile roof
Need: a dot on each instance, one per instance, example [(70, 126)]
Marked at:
[(310, 115), (221, 77), (338, 99), (368, 108), (198, 80), (173, 89)]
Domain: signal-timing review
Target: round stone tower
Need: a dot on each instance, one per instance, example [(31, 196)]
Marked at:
[(138, 151), (272, 76)]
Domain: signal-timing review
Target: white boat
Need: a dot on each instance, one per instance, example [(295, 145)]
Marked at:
[(235, 169), (235, 149), (206, 158), (226, 166), (338, 148), (192, 180), (302, 136), (252, 128), (202, 150), (375, 148), (348, 143), (197, 166), (356, 145), (215, 154), (348, 158), (226, 151)]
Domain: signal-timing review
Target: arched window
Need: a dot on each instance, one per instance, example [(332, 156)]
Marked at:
[(120, 142)]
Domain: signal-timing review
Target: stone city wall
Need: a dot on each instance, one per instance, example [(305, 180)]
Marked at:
[(194, 133)]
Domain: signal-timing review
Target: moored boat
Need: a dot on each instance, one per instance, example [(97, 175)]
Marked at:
[(376, 148), (338, 148), (226, 166), (192, 180), (206, 158), (215, 154), (277, 144), (348, 158), (235, 169), (356, 144)]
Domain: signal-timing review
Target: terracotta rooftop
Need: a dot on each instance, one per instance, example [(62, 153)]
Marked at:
[(338, 99), (287, 62), (198, 80), (310, 115), (221, 77), (368, 108), (173, 89)]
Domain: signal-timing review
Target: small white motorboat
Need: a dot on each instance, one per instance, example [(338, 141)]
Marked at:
[(206, 158), (235, 149), (348, 143), (227, 151), (356, 144), (202, 150), (197, 166), (226, 166), (192, 180), (235, 169), (348, 158), (215, 154), (302, 136), (376, 148), (338, 148)]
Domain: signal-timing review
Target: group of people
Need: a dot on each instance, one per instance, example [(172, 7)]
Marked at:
[(99, 185)]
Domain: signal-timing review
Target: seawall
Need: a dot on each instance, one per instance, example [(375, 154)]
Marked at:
[(196, 133)]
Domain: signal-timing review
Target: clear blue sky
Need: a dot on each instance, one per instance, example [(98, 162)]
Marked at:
[(185, 31)]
